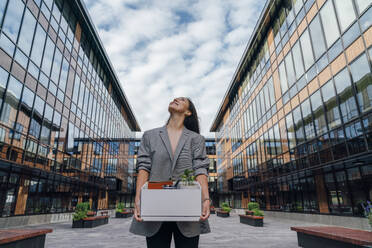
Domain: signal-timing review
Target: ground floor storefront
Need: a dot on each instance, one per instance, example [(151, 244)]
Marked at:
[(341, 188), (29, 191)]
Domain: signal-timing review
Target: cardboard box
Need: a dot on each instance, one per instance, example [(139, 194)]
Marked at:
[(183, 204)]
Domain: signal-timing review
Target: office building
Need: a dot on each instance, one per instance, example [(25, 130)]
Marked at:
[(294, 129), (65, 122)]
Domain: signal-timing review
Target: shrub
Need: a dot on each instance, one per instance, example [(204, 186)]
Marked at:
[(257, 212), (81, 211), (120, 207), (253, 205), (225, 207)]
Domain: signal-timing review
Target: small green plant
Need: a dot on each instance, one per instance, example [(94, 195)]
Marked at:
[(81, 211), (253, 205), (225, 207), (368, 212), (257, 212), (120, 207), (188, 177)]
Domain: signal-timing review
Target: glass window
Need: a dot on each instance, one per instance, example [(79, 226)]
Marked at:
[(319, 117), (13, 18), (290, 70), (347, 101), (308, 119), (2, 9), (48, 56), (329, 23), (27, 32), (283, 78), (56, 65), (351, 35), (346, 14), (317, 37), (307, 49), (330, 102), (297, 56), (297, 119), (365, 20), (363, 80), (7, 45), (362, 4), (37, 47), (13, 94), (290, 131)]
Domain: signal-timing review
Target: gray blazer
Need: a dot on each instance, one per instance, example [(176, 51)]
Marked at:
[(155, 156)]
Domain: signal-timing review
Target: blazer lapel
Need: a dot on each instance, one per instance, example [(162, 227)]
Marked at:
[(164, 136), (180, 145)]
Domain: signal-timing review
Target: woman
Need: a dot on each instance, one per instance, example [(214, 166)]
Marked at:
[(164, 154)]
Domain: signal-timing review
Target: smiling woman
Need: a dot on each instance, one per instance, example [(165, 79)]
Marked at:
[(165, 154)]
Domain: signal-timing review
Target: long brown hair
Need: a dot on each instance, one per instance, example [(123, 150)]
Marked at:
[(191, 122)]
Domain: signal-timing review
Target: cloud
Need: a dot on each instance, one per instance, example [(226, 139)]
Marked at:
[(164, 49)]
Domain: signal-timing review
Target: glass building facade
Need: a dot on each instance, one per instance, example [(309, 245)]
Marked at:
[(65, 122), (294, 130)]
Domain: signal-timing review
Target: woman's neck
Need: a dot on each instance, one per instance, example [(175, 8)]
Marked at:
[(175, 122)]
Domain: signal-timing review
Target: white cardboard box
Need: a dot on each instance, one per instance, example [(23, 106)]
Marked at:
[(182, 204)]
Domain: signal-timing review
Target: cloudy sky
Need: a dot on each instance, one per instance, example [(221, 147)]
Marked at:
[(163, 49)]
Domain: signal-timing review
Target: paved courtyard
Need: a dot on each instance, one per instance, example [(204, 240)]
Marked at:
[(226, 232)]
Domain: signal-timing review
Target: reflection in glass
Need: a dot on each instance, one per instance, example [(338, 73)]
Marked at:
[(38, 45), (290, 70), (48, 56), (363, 80), (346, 14), (362, 4), (329, 23), (27, 32), (297, 56), (13, 17), (319, 117), (317, 37), (330, 102), (308, 119), (307, 49), (283, 78), (12, 96)]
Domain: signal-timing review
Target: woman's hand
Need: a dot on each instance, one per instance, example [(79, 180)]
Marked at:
[(205, 211), (137, 210)]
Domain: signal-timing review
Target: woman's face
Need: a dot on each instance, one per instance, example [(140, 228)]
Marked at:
[(179, 105)]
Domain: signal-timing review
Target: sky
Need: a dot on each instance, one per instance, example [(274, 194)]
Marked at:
[(162, 49)]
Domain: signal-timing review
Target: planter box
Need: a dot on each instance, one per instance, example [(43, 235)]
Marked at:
[(90, 222), (77, 224), (213, 211), (252, 220), (123, 214), (183, 204), (30, 238), (248, 212), (223, 214)]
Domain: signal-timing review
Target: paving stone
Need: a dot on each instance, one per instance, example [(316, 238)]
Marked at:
[(226, 232)]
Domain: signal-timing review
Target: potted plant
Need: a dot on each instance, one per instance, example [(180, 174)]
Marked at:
[(81, 211), (251, 207), (225, 210), (121, 212), (188, 179), (256, 219)]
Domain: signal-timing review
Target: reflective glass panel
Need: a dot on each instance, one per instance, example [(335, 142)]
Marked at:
[(27, 32), (363, 80), (317, 37), (307, 49), (13, 17), (346, 14), (329, 23)]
